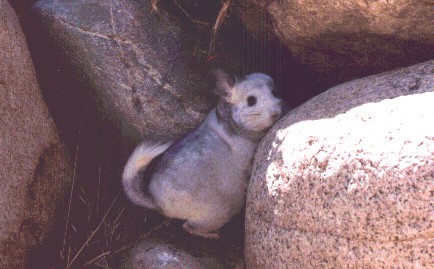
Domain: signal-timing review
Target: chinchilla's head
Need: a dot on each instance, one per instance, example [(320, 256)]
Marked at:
[(249, 103)]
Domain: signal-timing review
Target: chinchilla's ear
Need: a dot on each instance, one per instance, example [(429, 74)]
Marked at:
[(224, 83)]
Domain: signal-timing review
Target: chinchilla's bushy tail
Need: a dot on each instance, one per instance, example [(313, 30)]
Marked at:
[(131, 179)]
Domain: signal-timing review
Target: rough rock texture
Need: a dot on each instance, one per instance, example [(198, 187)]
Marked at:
[(135, 63), (346, 180), (33, 162), (151, 254), (342, 39)]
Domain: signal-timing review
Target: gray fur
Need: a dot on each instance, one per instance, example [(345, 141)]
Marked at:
[(203, 177)]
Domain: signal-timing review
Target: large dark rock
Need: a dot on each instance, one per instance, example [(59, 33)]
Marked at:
[(346, 179), (135, 64), (341, 40), (33, 162)]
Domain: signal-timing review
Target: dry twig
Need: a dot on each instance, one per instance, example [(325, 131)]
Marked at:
[(218, 23), (154, 5), (196, 21)]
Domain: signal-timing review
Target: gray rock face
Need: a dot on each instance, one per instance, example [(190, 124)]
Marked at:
[(346, 180), (34, 167), (151, 254), (133, 62), (340, 39)]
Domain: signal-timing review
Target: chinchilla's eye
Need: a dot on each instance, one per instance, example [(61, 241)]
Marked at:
[(251, 100)]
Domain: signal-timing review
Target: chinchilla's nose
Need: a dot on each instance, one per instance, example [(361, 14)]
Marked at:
[(281, 109), (275, 115), (276, 112)]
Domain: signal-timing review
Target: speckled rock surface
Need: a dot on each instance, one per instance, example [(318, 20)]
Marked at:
[(152, 254), (133, 62), (341, 40), (33, 163), (346, 180)]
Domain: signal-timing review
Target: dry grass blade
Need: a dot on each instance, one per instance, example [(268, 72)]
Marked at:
[(97, 257), (218, 23), (72, 191), (99, 176), (93, 233)]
